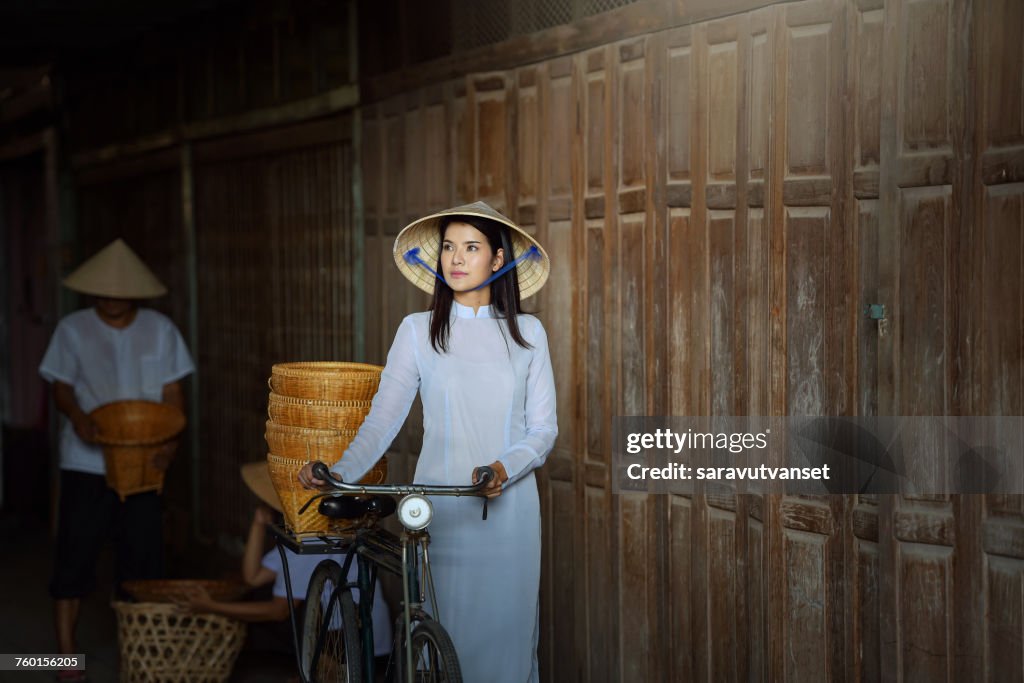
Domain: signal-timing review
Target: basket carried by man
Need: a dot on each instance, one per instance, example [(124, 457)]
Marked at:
[(131, 434)]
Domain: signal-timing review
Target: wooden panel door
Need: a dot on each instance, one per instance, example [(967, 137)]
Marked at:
[(950, 263), (811, 331), (995, 221), (596, 642), (863, 613), (923, 634), (542, 127)]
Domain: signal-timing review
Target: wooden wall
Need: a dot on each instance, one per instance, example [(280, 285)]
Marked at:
[(270, 215), (275, 255), (721, 200), (27, 291)]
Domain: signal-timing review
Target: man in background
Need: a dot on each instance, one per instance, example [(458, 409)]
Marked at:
[(114, 350)]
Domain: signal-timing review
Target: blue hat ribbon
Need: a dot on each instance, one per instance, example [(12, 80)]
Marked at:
[(412, 257), (533, 254)]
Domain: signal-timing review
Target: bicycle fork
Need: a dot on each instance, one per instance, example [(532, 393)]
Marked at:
[(417, 577), (406, 600)]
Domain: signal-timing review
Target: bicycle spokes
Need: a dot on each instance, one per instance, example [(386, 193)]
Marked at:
[(330, 642)]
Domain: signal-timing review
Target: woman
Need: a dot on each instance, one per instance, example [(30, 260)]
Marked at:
[(484, 375)]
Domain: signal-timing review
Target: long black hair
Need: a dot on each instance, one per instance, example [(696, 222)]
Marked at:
[(505, 300)]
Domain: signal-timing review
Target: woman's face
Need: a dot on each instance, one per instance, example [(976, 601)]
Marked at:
[(466, 257)]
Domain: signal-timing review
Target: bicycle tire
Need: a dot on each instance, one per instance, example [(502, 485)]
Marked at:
[(434, 655), (330, 654)]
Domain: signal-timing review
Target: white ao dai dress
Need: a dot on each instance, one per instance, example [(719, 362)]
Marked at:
[(486, 399)]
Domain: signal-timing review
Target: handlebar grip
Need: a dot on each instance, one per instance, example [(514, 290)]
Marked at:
[(484, 474), (321, 472)]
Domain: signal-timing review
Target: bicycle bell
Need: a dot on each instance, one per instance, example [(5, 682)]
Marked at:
[(415, 512)]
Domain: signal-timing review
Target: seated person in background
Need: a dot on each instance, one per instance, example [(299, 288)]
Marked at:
[(259, 569)]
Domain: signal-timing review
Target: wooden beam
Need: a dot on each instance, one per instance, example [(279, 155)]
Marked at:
[(141, 162), (304, 134), (330, 102), (135, 148), (23, 146), (640, 18), (345, 97), (37, 96), (18, 78)]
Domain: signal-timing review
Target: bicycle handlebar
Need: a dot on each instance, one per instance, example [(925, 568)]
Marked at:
[(320, 471)]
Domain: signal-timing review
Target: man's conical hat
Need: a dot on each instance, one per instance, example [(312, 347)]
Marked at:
[(115, 272)]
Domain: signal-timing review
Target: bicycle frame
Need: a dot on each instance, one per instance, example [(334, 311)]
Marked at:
[(406, 556)]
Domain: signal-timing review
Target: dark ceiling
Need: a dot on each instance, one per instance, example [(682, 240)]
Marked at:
[(37, 32)]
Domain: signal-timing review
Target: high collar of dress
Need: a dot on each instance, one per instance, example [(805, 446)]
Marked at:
[(461, 311)]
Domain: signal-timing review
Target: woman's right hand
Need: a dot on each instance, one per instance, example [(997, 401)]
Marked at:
[(306, 477)]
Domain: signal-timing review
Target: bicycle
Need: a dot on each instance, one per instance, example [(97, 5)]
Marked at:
[(337, 638)]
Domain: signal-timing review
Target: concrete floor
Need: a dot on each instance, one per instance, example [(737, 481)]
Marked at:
[(26, 622)]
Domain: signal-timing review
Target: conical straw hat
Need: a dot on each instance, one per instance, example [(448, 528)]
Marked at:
[(256, 476), (423, 234), (115, 272)]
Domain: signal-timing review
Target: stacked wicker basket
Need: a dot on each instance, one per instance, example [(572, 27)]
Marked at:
[(315, 410)]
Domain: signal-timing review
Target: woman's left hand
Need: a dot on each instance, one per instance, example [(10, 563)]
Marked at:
[(493, 488)]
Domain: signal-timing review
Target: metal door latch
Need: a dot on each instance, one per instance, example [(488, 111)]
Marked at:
[(877, 312)]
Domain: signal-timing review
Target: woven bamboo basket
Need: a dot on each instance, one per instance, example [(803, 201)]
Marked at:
[(284, 473), (131, 432), (327, 381), (171, 590), (161, 644), (308, 444), (316, 413)]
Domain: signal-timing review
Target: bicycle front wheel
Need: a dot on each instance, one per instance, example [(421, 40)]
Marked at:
[(330, 646), (433, 655)]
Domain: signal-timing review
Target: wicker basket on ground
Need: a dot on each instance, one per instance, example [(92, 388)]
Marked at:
[(284, 473), (131, 432), (326, 381), (162, 644), (316, 413), (171, 590)]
